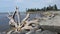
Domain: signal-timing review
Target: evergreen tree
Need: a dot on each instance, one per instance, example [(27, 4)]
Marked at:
[(55, 7)]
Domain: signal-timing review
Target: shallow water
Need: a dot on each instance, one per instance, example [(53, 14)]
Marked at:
[(4, 21)]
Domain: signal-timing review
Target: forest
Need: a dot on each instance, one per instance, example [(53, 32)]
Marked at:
[(49, 8)]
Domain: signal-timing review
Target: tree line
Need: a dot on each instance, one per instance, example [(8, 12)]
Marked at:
[(49, 8)]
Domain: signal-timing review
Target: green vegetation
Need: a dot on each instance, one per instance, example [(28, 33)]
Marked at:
[(49, 8)]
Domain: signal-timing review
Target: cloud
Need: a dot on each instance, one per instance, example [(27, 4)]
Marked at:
[(49, 1), (19, 1)]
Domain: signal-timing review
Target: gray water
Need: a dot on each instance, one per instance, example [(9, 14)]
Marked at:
[(4, 21)]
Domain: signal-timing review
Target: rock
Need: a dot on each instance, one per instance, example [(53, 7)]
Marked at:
[(48, 32), (38, 31), (31, 32)]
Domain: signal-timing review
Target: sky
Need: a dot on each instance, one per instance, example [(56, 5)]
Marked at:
[(10, 5)]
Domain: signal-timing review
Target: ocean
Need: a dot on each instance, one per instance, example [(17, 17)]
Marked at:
[(4, 20)]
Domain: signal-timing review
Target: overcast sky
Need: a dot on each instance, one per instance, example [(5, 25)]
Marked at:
[(9, 5)]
